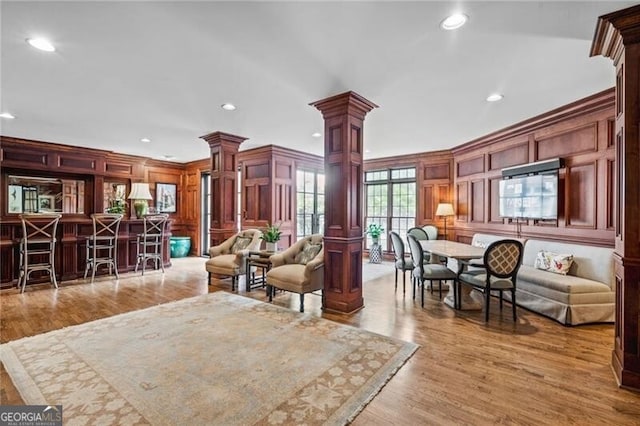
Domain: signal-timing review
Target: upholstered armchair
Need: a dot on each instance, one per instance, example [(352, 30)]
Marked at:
[(299, 269), (229, 258)]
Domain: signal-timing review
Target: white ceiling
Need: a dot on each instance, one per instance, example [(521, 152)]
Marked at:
[(128, 70)]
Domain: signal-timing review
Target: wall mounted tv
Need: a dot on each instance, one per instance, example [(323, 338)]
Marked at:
[(530, 197)]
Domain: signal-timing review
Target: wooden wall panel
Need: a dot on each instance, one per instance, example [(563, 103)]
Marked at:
[(471, 166), (512, 156), (493, 192), (477, 201), (437, 171), (581, 199), (580, 140), (462, 202)]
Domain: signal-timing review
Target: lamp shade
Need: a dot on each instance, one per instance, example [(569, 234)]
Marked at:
[(140, 191), (445, 209)]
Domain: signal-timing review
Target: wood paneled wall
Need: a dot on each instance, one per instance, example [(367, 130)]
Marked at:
[(581, 134)]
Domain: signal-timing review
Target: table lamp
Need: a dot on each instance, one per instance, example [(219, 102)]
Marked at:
[(445, 210), (140, 194)]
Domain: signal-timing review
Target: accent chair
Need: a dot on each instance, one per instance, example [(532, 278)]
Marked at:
[(229, 257)]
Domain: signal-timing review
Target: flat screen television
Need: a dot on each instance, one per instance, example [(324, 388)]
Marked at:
[(530, 197)]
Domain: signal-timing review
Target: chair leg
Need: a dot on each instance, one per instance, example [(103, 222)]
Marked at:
[(396, 278), (440, 289), (500, 300), (486, 304), (422, 294), (404, 279), (208, 278), (301, 302), (513, 303)]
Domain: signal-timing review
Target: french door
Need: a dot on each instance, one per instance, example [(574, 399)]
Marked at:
[(310, 203)]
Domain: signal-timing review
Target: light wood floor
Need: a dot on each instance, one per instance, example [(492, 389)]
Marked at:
[(534, 372)]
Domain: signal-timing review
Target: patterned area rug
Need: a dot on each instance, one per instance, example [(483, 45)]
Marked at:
[(214, 359)]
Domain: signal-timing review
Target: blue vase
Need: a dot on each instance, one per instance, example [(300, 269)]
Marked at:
[(179, 246)]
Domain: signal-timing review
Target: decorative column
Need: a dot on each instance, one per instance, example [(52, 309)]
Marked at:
[(343, 165), (618, 37), (224, 175)]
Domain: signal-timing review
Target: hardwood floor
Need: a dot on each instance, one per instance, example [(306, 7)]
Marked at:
[(533, 372)]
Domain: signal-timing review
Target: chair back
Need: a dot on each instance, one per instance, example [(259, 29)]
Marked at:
[(38, 227), (417, 253), (503, 258), (432, 231), (397, 245), (106, 225), (154, 225), (418, 233)]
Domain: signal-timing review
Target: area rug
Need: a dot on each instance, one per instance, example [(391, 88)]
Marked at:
[(218, 359)]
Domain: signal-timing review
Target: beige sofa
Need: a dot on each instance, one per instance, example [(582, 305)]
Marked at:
[(585, 295)]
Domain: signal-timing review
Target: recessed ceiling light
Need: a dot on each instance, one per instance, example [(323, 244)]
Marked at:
[(228, 107), (367, 151), (168, 157), (316, 134), (494, 97), (7, 115), (454, 21), (42, 44), (145, 140)]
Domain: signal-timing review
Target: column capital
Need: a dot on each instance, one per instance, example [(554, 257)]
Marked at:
[(349, 103), (615, 30), (217, 138)]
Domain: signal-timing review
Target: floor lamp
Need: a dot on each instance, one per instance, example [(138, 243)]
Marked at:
[(445, 210)]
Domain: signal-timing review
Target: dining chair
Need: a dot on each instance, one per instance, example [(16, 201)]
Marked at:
[(427, 271), (418, 233), (151, 241), (38, 246), (432, 231), (501, 260), (102, 245), (402, 262)]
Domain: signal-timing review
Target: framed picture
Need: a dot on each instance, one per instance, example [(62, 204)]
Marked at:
[(46, 203), (15, 199), (165, 198)]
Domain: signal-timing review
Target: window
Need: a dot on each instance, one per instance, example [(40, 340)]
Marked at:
[(391, 201), (310, 203)]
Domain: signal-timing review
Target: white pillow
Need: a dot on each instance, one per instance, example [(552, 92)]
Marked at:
[(480, 244), (553, 262)]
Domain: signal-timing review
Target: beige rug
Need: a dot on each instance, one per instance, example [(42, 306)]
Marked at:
[(217, 359)]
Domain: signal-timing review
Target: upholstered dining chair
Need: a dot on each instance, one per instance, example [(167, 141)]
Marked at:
[(38, 246), (229, 257), (431, 231), (402, 262), (427, 271), (299, 269), (419, 233), (501, 261)]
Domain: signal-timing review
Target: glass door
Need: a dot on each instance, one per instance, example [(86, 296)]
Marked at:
[(310, 203)]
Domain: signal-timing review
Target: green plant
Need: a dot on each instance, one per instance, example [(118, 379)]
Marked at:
[(117, 205), (375, 230), (271, 233)]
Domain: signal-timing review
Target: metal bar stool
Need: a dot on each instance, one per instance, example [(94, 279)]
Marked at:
[(102, 246), (150, 242), (37, 246)]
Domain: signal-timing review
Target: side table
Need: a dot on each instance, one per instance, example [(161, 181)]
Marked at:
[(258, 259)]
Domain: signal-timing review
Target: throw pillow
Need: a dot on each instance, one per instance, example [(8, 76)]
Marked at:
[(480, 244), (240, 243), (553, 262), (308, 252)]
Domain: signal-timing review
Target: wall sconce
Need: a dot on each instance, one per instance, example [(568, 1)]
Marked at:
[(140, 195), (445, 210)]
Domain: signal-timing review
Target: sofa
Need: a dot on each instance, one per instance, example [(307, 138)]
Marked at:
[(586, 294)]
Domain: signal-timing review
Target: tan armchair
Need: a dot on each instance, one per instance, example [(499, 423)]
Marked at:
[(299, 269), (229, 258)]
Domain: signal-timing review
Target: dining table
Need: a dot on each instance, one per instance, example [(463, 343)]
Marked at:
[(457, 255)]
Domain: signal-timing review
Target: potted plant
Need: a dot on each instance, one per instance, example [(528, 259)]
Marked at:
[(375, 230), (271, 236), (118, 205)]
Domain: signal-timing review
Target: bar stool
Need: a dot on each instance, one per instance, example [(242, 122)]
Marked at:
[(102, 245), (37, 246), (150, 242)]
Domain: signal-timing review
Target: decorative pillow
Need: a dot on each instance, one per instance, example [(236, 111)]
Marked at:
[(480, 244), (553, 262), (308, 252), (240, 243)]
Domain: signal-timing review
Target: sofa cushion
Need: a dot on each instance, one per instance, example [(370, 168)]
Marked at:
[(553, 262), (223, 263), (562, 283), (291, 277)]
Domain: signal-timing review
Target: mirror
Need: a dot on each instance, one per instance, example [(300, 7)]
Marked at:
[(115, 197), (31, 194)]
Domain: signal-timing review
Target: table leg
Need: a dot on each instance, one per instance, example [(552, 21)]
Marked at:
[(468, 300)]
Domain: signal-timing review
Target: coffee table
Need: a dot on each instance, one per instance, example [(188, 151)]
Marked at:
[(258, 259)]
